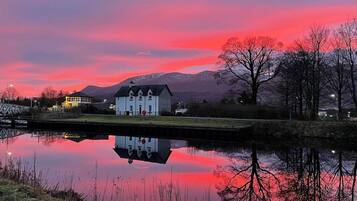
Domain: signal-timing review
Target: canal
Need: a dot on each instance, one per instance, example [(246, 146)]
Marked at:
[(112, 166)]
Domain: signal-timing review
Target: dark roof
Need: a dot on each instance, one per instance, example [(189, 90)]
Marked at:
[(155, 156), (79, 94), (156, 90)]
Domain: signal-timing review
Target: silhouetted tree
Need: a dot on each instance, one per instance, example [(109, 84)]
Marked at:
[(251, 60), (10, 93), (292, 83), (303, 73), (50, 97), (337, 74), (348, 33)]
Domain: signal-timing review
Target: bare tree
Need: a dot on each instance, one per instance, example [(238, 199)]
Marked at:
[(315, 45), (50, 96), (10, 93), (337, 74), (348, 34), (251, 60), (49, 93), (293, 67)]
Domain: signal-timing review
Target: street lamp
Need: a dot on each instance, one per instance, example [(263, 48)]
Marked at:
[(335, 99)]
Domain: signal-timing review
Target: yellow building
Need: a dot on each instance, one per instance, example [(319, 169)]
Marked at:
[(77, 99)]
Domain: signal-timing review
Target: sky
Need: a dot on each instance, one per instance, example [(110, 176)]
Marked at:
[(69, 44)]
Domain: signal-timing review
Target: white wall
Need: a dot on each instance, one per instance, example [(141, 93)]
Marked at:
[(123, 104), (158, 104)]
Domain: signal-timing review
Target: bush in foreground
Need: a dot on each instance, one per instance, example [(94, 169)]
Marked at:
[(236, 111)]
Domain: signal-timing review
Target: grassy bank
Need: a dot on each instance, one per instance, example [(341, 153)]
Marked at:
[(19, 181), (161, 120), (12, 191), (259, 127), (339, 130)]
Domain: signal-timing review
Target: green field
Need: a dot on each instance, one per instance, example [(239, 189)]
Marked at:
[(163, 120)]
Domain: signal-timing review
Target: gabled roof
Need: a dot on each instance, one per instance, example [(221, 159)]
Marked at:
[(155, 156), (79, 94), (156, 90)]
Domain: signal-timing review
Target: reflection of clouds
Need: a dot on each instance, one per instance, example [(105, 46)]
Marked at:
[(141, 166), (144, 53)]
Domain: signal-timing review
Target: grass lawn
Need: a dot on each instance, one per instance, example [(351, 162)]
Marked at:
[(162, 120), (11, 191)]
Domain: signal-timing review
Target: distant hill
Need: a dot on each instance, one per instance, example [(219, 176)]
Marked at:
[(185, 87)]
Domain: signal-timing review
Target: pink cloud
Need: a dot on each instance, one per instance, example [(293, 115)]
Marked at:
[(79, 44)]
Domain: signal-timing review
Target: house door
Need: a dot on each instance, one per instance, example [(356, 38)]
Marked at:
[(140, 110)]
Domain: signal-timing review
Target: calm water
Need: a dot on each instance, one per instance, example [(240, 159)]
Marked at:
[(116, 167)]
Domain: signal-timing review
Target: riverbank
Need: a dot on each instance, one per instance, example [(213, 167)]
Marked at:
[(196, 127), (11, 190), (163, 121), (172, 127)]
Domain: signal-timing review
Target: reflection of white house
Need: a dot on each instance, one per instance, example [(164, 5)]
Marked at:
[(143, 100), (142, 148)]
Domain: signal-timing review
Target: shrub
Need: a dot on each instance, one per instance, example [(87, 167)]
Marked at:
[(236, 111)]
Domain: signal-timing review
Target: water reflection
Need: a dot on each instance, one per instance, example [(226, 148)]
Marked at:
[(290, 174), (148, 149), (251, 170), (247, 178)]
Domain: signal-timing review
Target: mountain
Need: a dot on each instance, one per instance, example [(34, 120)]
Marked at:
[(185, 87)]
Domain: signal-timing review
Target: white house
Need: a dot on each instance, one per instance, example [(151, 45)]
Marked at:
[(150, 100)]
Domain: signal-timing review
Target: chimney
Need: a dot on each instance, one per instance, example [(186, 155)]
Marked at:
[(131, 84)]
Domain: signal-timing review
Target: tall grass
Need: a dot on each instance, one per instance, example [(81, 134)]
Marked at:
[(22, 173), (116, 189), (124, 189)]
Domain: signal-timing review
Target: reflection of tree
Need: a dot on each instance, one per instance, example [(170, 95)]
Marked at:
[(48, 137), (340, 172), (354, 174), (305, 181), (247, 182)]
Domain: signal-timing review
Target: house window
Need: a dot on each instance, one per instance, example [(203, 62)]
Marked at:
[(150, 109), (140, 94), (150, 95), (131, 96), (131, 108)]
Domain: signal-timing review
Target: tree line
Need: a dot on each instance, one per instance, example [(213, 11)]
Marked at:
[(48, 97), (321, 64)]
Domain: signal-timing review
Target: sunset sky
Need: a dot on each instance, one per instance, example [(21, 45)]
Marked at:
[(73, 43)]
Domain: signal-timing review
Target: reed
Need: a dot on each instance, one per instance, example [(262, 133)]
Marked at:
[(22, 173)]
